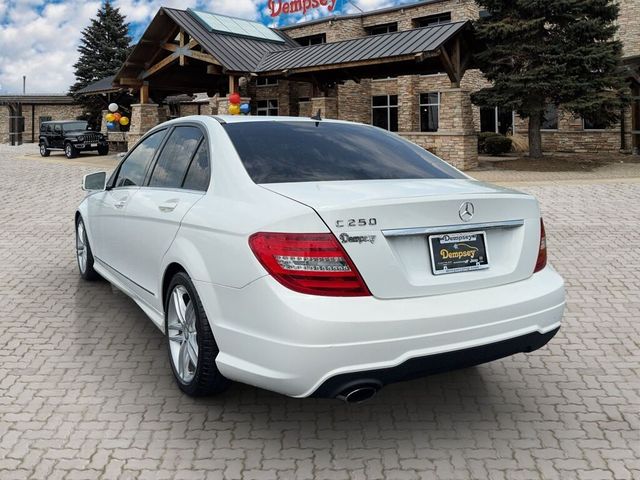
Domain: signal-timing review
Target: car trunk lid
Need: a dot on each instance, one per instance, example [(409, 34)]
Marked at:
[(385, 227)]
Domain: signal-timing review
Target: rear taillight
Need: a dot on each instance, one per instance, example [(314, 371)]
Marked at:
[(541, 262), (312, 263)]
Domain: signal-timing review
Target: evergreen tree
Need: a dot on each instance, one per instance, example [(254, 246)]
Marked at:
[(104, 47), (562, 52)]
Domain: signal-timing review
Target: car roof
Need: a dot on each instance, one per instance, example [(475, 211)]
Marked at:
[(266, 118)]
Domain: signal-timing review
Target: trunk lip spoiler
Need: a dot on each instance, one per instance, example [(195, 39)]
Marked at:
[(403, 232)]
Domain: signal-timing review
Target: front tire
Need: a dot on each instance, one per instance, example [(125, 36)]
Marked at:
[(84, 255), (70, 151), (103, 150), (192, 347), (44, 151)]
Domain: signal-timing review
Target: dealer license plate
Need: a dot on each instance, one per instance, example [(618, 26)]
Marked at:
[(94, 144), (458, 252)]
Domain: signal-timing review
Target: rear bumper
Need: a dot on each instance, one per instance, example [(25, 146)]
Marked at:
[(431, 364), (296, 344)]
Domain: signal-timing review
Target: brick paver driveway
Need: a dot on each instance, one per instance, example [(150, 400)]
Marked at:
[(86, 390)]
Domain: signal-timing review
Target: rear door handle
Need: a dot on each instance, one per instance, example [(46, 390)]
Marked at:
[(168, 206)]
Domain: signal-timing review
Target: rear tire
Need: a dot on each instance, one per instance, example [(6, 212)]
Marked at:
[(44, 151), (192, 347), (70, 151)]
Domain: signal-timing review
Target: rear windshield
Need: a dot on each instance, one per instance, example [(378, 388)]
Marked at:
[(281, 152)]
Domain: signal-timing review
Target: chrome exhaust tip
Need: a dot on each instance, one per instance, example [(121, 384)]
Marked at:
[(358, 394)]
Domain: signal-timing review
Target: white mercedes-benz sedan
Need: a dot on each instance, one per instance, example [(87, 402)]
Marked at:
[(316, 257)]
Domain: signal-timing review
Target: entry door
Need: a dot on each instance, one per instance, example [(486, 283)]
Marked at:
[(157, 209), (108, 209)]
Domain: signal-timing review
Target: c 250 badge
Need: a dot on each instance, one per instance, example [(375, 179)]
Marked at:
[(357, 222)]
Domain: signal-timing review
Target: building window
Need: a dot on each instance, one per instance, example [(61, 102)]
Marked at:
[(384, 112), (550, 117), (484, 14), (429, 111), (594, 123), (496, 119), (432, 20), (266, 81), (267, 107), (380, 29), (312, 39)]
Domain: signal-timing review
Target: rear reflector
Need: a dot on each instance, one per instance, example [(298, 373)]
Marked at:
[(541, 262), (312, 263)]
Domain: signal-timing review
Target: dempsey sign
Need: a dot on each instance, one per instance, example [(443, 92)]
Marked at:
[(279, 7)]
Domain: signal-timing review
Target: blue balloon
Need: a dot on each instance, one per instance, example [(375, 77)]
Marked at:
[(111, 125), (245, 108)]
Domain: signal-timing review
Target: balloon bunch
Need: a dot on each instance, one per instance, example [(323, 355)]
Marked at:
[(234, 105), (114, 118)]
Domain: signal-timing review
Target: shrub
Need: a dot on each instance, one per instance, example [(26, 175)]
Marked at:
[(482, 138), (498, 145)]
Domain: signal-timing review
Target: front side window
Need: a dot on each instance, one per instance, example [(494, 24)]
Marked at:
[(74, 126), (267, 107), (134, 167), (200, 170), (384, 112), (172, 164), (307, 151), (429, 111), (550, 117), (57, 128)]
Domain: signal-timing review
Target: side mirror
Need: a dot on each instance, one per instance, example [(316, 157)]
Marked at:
[(94, 181)]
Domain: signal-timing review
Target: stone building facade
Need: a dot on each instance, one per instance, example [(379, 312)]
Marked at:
[(354, 101), (36, 109)]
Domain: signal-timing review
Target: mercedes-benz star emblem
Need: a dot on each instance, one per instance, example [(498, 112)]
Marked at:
[(466, 211)]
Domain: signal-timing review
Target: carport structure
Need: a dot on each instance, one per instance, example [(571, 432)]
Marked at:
[(189, 51)]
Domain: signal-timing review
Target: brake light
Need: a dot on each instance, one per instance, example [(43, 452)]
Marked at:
[(312, 263), (541, 262)]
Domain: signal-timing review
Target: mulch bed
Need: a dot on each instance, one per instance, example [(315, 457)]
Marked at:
[(557, 162)]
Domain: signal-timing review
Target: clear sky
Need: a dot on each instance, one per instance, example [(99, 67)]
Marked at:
[(39, 38)]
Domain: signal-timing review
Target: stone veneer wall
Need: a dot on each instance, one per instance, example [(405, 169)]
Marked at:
[(572, 137), (348, 28), (629, 22), (4, 124)]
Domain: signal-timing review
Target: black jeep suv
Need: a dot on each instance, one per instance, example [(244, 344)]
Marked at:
[(72, 136)]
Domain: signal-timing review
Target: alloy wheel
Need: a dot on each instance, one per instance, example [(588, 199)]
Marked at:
[(43, 149), (81, 246), (183, 337)]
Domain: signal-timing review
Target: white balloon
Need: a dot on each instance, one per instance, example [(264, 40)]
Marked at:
[(113, 107)]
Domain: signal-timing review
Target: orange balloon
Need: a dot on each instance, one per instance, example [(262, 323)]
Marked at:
[(117, 117)]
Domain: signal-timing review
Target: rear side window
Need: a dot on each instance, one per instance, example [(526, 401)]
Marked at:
[(135, 165), (199, 170), (280, 152), (175, 157)]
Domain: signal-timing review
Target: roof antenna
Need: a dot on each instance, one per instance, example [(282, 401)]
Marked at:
[(317, 116)]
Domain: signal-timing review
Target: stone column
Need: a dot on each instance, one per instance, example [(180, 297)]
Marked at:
[(223, 104), (328, 106), (213, 104), (4, 124), (144, 116), (408, 108), (103, 122), (459, 141)]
